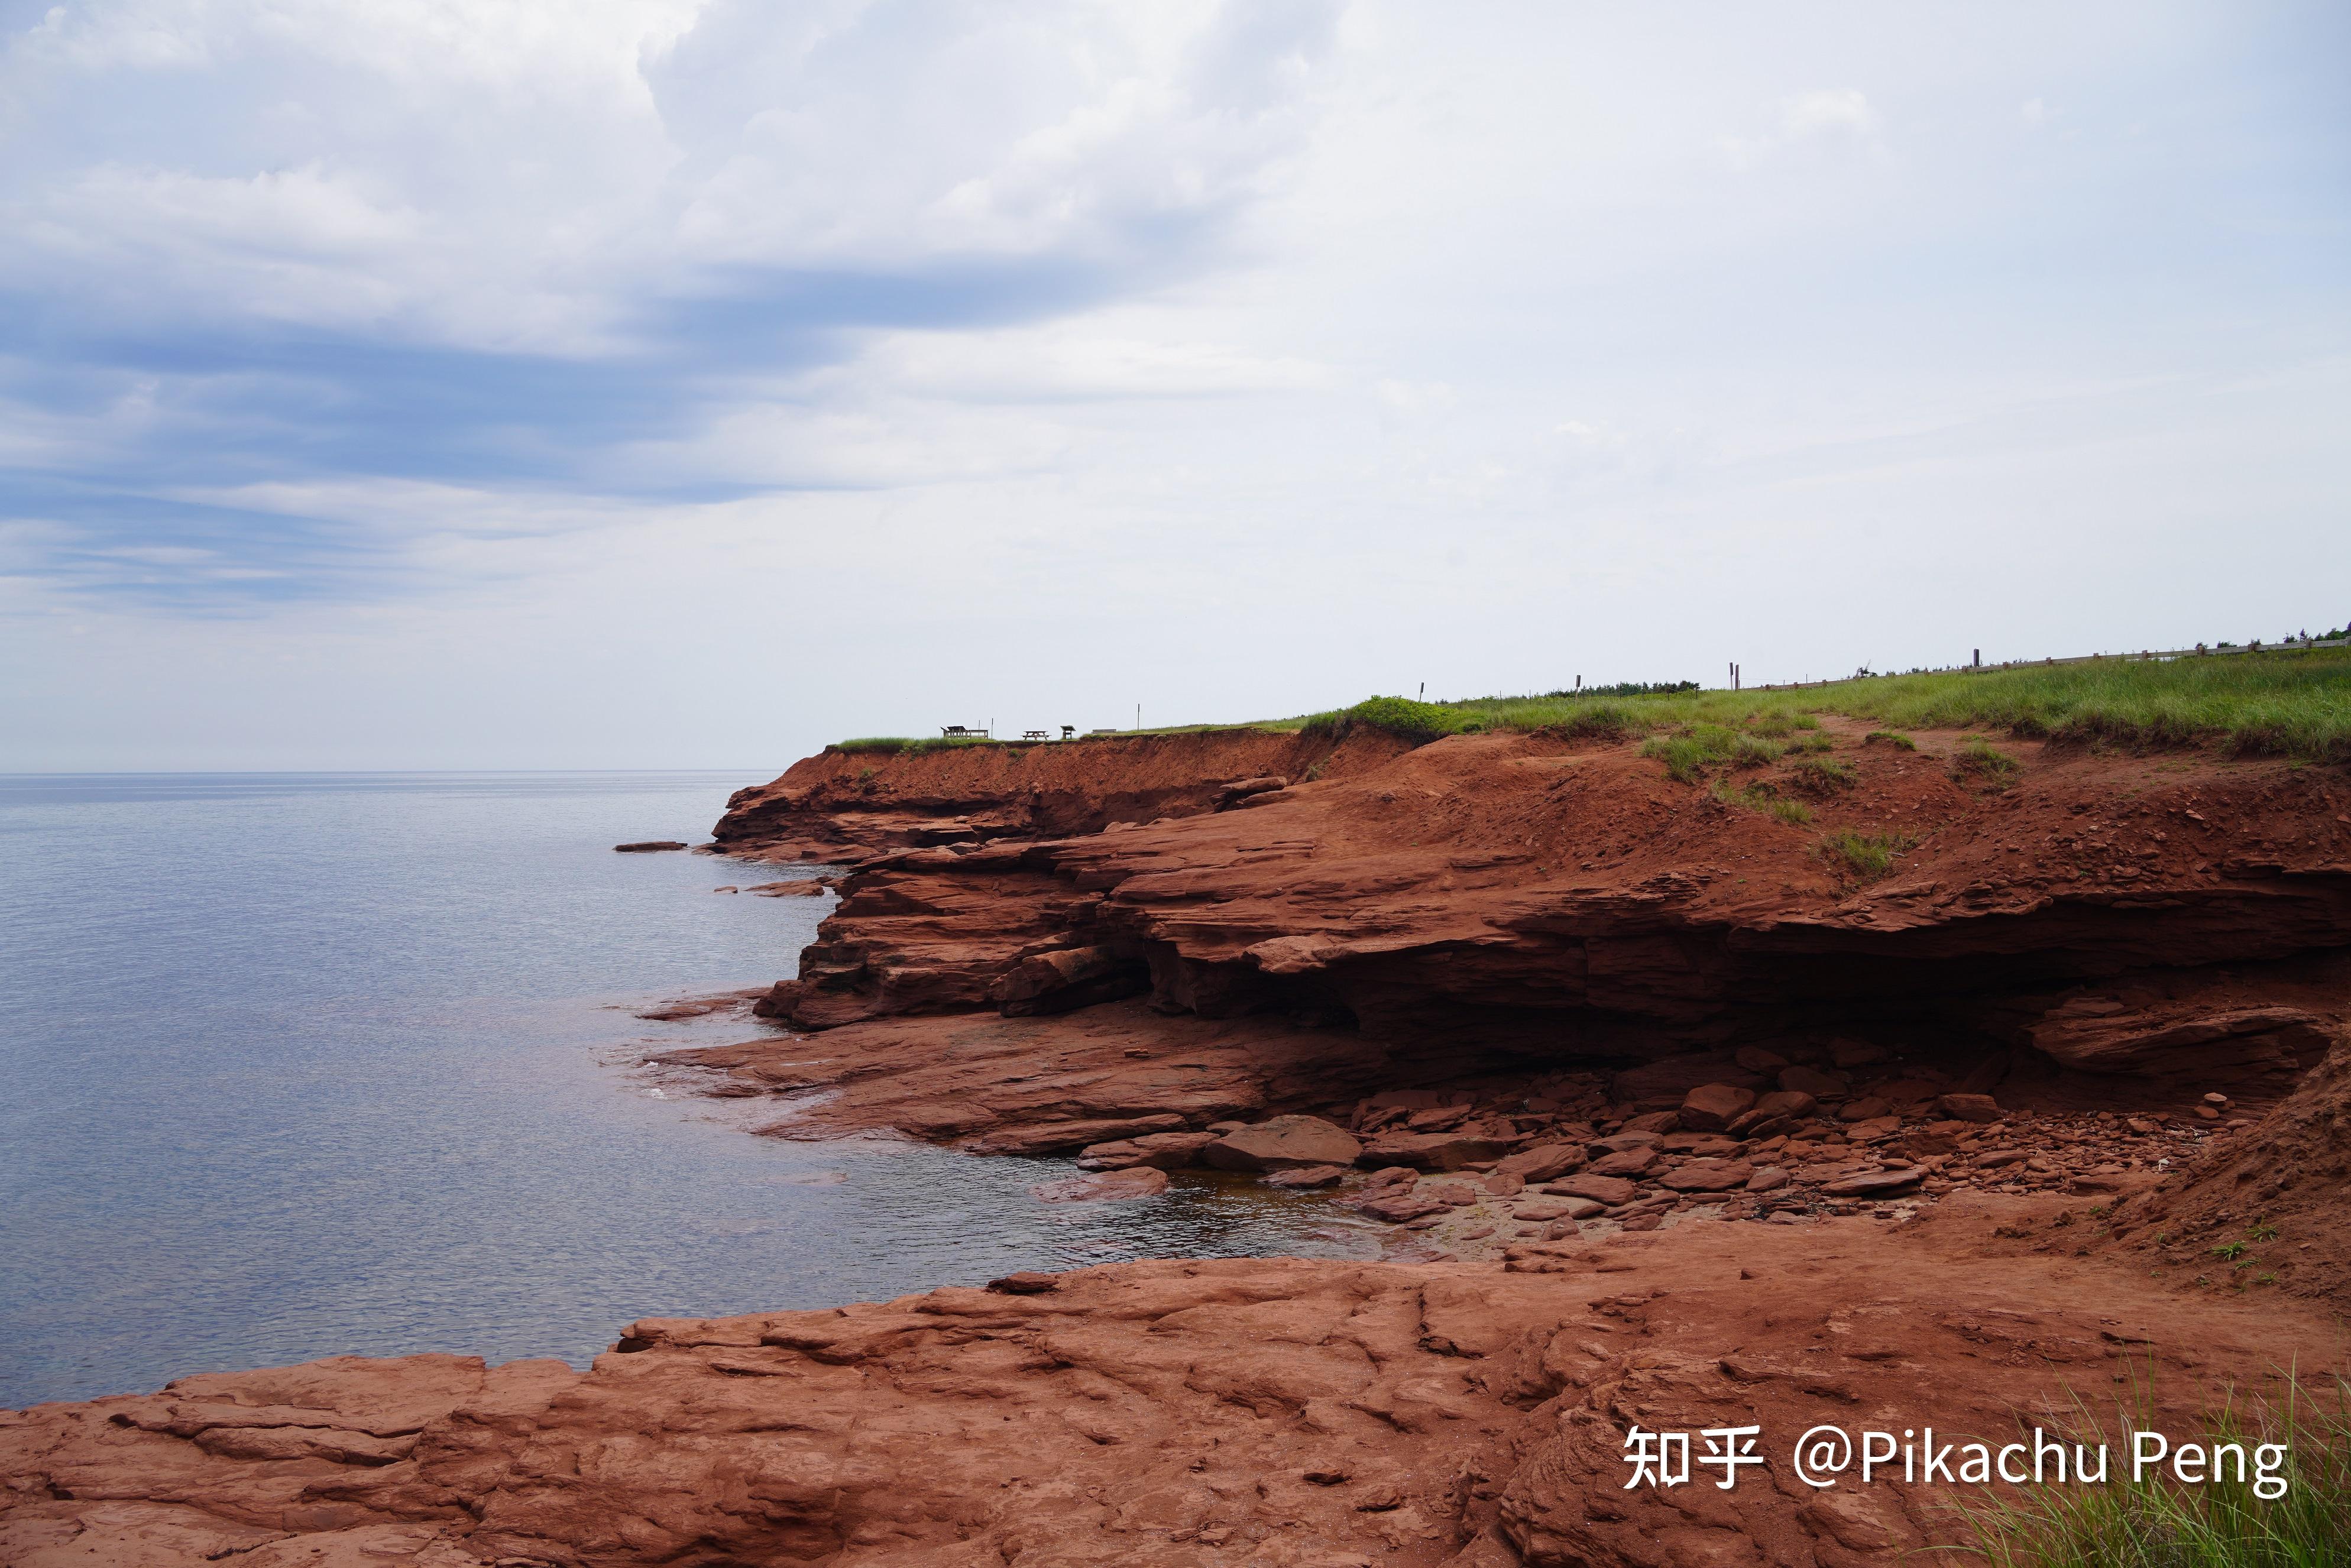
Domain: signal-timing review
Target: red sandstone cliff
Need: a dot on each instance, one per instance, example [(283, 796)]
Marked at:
[(1551, 901), (841, 802), (1532, 982)]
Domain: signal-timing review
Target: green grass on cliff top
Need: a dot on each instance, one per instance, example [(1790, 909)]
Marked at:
[(2284, 703), (910, 745), (915, 744), (2288, 704)]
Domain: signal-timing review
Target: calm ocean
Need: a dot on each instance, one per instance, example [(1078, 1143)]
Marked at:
[(311, 1065)]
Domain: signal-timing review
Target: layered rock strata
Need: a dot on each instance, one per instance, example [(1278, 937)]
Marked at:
[(1179, 1413), (1547, 900), (842, 803)]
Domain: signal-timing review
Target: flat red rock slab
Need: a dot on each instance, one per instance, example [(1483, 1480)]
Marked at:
[(1707, 1176), (974, 1420), (1874, 1183), (1139, 1181), (1624, 1163), (1430, 1151), (1283, 1142), (1304, 1176), (1541, 1162), (1397, 1206), (1609, 1190)]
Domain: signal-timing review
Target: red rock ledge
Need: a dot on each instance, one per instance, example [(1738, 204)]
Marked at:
[(1173, 1413)]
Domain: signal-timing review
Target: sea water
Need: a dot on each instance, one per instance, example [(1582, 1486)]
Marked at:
[(307, 1065)]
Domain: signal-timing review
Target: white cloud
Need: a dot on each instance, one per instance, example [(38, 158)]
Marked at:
[(524, 174), (1824, 115), (1409, 398), (1121, 323), (1834, 112), (1101, 357)]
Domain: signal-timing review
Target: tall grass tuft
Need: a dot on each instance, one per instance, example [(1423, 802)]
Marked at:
[(1979, 759), (1821, 775), (1761, 796), (2159, 1523), (1687, 755), (1684, 757), (1864, 856)]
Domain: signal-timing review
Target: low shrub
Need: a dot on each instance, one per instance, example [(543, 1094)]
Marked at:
[(1418, 722), (1626, 689)]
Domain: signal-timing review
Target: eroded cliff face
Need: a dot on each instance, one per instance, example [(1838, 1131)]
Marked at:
[(1557, 900), (840, 803)]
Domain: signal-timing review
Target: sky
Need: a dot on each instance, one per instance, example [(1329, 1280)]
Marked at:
[(651, 383)]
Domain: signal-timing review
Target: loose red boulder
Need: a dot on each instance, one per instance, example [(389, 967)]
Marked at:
[(1709, 1107), (1282, 1144)]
